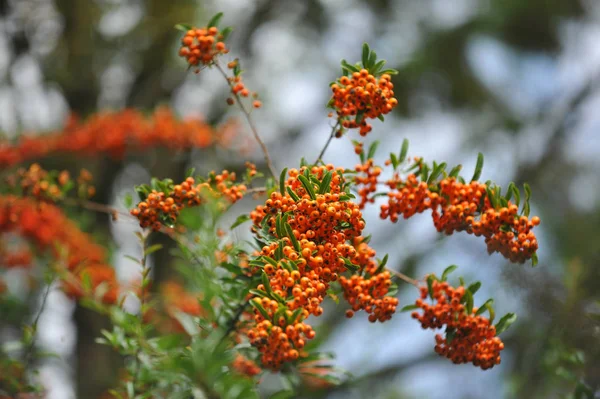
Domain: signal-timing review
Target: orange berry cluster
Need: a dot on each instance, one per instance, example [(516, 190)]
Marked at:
[(362, 93), (245, 366), (458, 206), (474, 338), (113, 133), (366, 180), (368, 292), (200, 46), (46, 226), (49, 186), (326, 242), (163, 208)]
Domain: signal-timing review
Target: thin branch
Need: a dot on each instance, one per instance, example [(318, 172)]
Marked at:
[(331, 136), (96, 207), (29, 351), (232, 323), (250, 122), (404, 277)]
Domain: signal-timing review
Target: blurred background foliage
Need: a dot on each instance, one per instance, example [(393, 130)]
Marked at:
[(516, 80)]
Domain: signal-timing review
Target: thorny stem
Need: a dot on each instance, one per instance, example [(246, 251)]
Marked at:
[(250, 122), (404, 277), (331, 136)]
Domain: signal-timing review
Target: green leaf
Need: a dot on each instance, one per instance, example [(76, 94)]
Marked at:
[(183, 27), (214, 21), (526, 208), (450, 334), (403, 151), (240, 220), (190, 218), (478, 167), (284, 394), (491, 311), (190, 172), (424, 172), (296, 314), (226, 32), (437, 171), (324, 187), (447, 271), (350, 266), (372, 59), (394, 160), (408, 308), (517, 195), (468, 302), (266, 283), (307, 186), (258, 306), (389, 72), (534, 259), (270, 260), (455, 171), (348, 67), (365, 54), (430, 279), (382, 264), (290, 234), (151, 249), (372, 149), (282, 181), (360, 116), (292, 194), (484, 307), (377, 67), (505, 322), (473, 288), (128, 201)]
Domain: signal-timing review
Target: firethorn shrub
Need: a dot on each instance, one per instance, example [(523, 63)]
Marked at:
[(239, 310)]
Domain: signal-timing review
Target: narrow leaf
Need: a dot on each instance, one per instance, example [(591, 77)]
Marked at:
[(403, 151), (447, 271), (478, 167)]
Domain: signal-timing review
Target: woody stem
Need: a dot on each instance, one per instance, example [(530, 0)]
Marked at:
[(404, 277), (249, 120), (331, 136)]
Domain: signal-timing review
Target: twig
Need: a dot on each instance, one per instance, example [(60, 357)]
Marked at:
[(231, 325), (250, 122), (96, 207), (404, 277), (331, 136), (29, 352)]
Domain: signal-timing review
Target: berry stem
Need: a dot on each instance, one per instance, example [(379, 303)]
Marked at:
[(250, 122), (331, 136)]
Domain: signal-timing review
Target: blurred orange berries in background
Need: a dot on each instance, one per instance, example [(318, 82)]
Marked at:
[(112, 133), (47, 228)]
